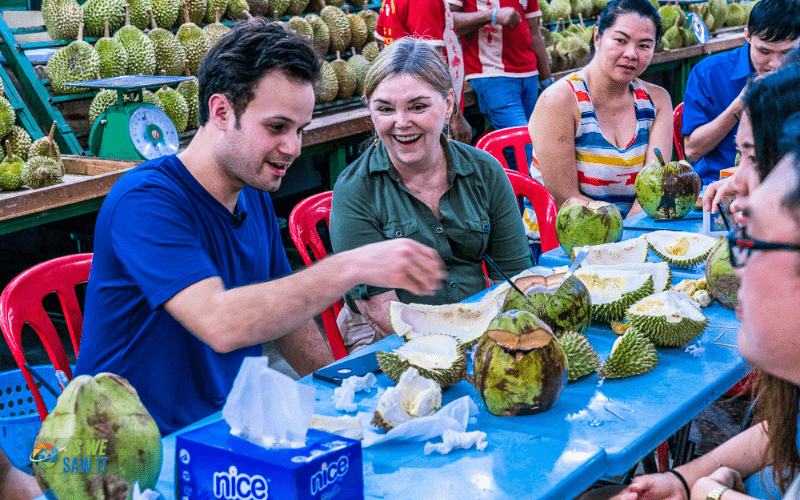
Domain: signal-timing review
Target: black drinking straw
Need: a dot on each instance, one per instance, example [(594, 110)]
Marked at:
[(40, 379), (494, 266), (724, 216)]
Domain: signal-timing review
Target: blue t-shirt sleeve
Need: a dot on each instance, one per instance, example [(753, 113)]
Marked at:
[(698, 103), (161, 250)]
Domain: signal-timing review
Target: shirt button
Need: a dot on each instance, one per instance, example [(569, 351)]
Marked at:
[(439, 230), (486, 227), (398, 234), (452, 284)]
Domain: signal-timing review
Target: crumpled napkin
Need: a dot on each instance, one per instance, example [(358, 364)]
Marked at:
[(452, 439), (454, 416), (138, 494), (344, 395), (268, 408)]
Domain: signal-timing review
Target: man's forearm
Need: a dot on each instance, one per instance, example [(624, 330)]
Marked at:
[(470, 22), (538, 45), (706, 137), (305, 349)]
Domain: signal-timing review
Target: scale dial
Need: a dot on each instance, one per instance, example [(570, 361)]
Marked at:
[(152, 132)]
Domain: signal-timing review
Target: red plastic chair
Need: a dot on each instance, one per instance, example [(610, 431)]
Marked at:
[(516, 137), (677, 127), (21, 303), (303, 229), (543, 204)]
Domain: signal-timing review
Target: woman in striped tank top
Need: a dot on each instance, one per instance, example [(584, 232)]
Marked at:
[(593, 130)]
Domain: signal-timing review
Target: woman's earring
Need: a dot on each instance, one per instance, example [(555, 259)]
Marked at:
[(449, 137), (376, 141)]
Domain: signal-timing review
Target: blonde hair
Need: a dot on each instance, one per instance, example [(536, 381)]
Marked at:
[(409, 56)]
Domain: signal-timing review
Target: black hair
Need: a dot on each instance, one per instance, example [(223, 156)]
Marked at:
[(790, 136), (616, 8), (251, 49), (792, 57), (775, 20), (769, 100)]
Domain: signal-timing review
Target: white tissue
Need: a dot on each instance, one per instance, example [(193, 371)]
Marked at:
[(138, 494), (452, 439), (268, 408), (344, 395), (454, 415)]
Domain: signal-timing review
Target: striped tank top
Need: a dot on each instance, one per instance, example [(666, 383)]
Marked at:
[(606, 172)]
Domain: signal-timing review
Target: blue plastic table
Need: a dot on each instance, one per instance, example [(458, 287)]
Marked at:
[(693, 222)]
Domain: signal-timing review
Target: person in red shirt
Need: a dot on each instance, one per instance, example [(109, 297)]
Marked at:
[(428, 20)]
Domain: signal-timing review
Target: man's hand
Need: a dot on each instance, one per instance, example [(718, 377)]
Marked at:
[(399, 263), (508, 16), (653, 487), (460, 128), (715, 193)]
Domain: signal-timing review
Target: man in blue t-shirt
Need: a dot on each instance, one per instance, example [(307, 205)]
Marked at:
[(713, 103), (189, 275)]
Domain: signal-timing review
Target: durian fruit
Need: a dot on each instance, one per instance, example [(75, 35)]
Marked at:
[(2, 89), (101, 101), (46, 146), (298, 24), (258, 7), (370, 18), (174, 106), (582, 359), (437, 357), (668, 17), (547, 14), (113, 56), (20, 141), (212, 6), (358, 31), (194, 42), (189, 89), (321, 38), (466, 322), (138, 13), (631, 251), (7, 117), (673, 37), (150, 98), (237, 9), (414, 396), (660, 271), (11, 170), (214, 31), (680, 249), (371, 51), (736, 14), (296, 7), (632, 354), (718, 9), (339, 28), (76, 62), (573, 49), (278, 7), (168, 50), (140, 50), (197, 11), (360, 67), (41, 171), (689, 37), (613, 292), (669, 319), (62, 18), (95, 12), (326, 86), (166, 13), (561, 9), (345, 78)]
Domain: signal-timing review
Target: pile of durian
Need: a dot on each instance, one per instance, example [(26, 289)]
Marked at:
[(34, 164)]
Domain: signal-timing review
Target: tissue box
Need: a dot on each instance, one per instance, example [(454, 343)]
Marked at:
[(211, 463)]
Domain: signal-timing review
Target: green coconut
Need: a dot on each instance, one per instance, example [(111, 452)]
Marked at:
[(722, 282), (580, 222), (667, 191), (563, 308), (520, 368)]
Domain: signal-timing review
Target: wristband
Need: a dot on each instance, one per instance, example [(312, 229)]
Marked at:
[(546, 83), (736, 116), (683, 481), (494, 16)]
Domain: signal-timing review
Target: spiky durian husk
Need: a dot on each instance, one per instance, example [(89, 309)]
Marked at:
[(169, 52), (370, 18), (113, 57), (673, 331), (140, 50), (322, 34), (394, 366), (76, 62), (237, 9), (101, 101), (360, 67), (10, 176), (41, 171), (41, 147), (684, 264), (632, 354), (7, 117), (189, 90), (582, 359), (195, 44), (211, 10), (95, 12), (615, 311), (62, 19), (296, 7), (138, 11), (166, 13), (151, 98), (300, 25), (674, 260), (213, 32), (175, 107), (358, 31), (20, 142), (339, 27)]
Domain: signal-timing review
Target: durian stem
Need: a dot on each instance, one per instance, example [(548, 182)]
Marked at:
[(580, 18), (338, 57), (80, 32), (186, 71), (347, 9), (152, 19), (186, 13), (8, 150), (52, 132), (164, 87), (127, 15), (216, 16), (660, 158), (106, 32)]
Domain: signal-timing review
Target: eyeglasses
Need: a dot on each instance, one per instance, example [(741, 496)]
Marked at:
[(740, 246)]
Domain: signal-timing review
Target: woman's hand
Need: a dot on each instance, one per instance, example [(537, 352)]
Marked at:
[(715, 193), (723, 476), (635, 209), (653, 487)]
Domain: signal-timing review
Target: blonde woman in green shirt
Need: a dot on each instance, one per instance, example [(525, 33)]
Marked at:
[(414, 182)]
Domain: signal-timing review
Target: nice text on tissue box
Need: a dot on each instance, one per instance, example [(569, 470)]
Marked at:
[(211, 463)]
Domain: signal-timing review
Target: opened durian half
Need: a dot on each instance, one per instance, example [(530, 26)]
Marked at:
[(662, 275), (614, 291), (632, 251), (414, 396), (437, 357), (465, 322), (680, 249), (670, 319)]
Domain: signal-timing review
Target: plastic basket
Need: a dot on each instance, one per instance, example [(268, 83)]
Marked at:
[(19, 419)]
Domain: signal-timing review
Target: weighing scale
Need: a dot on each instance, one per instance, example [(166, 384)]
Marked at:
[(132, 130)]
